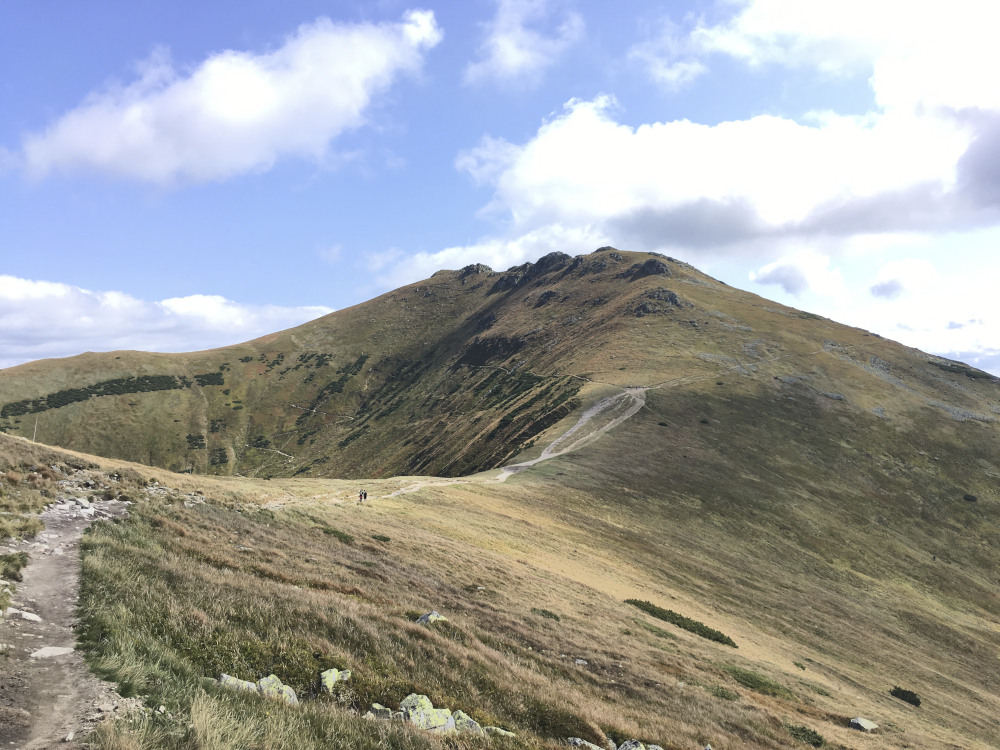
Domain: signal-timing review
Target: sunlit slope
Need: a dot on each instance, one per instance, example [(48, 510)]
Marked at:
[(461, 372)]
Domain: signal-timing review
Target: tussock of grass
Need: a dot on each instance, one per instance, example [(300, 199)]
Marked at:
[(759, 683), (548, 614), (698, 628)]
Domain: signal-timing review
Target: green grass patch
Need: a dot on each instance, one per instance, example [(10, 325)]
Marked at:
[(380, 538), (759, 683), (723, 692), (693, 626), (545, 613)]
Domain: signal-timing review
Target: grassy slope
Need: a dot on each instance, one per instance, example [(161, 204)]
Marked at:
[(790, 483)]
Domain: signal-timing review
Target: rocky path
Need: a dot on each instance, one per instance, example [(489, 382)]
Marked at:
[(48, 697)]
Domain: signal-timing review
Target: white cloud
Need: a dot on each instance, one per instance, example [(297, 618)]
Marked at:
[(41, 319), (236, 112), (668, 57), (684, 184), (513, 51), (918, 53), (393, 269)]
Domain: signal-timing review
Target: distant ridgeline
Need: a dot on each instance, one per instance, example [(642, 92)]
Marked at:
[(116, 387)]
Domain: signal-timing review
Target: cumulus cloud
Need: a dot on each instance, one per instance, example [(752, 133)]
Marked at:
[(515, 49), (678, 183), (236, 112), (41, 319)]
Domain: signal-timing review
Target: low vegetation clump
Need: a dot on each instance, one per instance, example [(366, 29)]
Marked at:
[(759, 683), (668, 615), (723, 692), (11, 565), (905, 695), (548, 614), (806, 735)]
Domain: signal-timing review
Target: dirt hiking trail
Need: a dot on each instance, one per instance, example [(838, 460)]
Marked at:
[(47, 692)]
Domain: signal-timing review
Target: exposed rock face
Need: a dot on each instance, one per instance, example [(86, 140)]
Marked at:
[(651, 267)]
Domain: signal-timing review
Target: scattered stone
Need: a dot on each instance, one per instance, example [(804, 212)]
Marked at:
[(380, 711), (631, 745), (863, 725), (467, 725), (83, 502), (653, 747), (161, 710), (498, 732), (69, 737), (420, 712), (580, 662), (431, 617), (577, 742), (272, 687), (30, 617), (237, 684), (49, 652), (331, 676), (106, 708)]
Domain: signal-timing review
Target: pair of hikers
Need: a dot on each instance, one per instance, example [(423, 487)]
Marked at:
[(362, 495)]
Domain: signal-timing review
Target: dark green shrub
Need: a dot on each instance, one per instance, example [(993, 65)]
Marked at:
[(905, 695), (806, 735), (380, 537), (698, 628)]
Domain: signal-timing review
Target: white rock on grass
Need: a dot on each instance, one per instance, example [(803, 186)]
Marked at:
[(237, 684), (272, 687), (578, 742), (431, 617), (331, 676)]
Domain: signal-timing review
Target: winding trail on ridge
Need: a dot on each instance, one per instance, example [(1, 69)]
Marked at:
[(614, 409)]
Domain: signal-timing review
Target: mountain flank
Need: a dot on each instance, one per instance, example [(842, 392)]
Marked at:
[(463, 371)]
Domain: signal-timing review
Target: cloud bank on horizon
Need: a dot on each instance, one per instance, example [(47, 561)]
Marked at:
[(843, 157)]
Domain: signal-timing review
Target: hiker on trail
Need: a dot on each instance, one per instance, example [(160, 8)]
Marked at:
[(361, 496), (366, 495)]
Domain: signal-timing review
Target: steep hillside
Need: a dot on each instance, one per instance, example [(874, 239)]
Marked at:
[(461, 372)]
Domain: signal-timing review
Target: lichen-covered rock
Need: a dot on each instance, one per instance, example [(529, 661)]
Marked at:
[(331, 676), (432, 719), (272, 687), (380, 711), (631, 745), (431, 617), (467, 725), (237, 684), (498, 732), (578, 742), (653, 747), (414, 702)]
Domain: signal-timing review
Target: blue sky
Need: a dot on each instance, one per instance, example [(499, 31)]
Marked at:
[(180, 176)]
